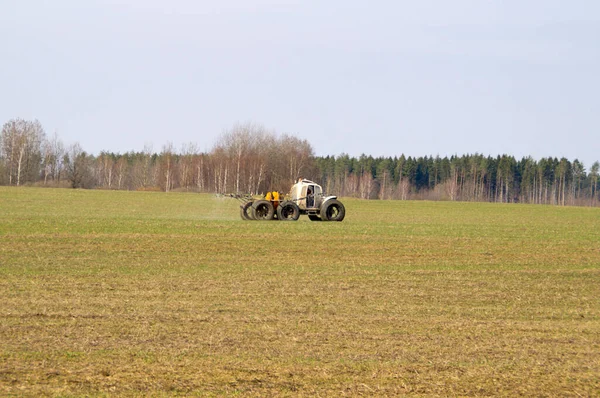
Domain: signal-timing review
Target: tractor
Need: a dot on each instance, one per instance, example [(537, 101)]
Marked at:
[(305, 197)]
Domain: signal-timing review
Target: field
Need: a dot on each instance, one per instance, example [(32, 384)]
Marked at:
[(146, 293)]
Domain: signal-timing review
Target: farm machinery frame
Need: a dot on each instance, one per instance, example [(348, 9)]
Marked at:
[(306, 198)]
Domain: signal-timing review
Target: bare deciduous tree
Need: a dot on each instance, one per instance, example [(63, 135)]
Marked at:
[(20, 144), (167, 166), (121, 169), (189, 152), (53, 151), (594, 173), (78, 166)]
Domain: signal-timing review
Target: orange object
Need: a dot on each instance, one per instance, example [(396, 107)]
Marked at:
[(273, 197)]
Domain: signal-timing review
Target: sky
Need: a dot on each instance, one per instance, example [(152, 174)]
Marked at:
[(378, 77)]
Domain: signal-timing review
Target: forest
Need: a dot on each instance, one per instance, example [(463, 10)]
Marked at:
[(251, 159)]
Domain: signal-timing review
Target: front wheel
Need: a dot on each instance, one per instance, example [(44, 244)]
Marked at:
[(288, 211), (263, 210), (333, 210)]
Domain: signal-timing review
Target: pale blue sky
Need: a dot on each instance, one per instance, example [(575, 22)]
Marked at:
[(380, 77)]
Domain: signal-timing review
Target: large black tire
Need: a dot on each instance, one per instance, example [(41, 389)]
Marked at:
[(333, 210), (263, 210), (246, 211), (313, 217), (288, 211)]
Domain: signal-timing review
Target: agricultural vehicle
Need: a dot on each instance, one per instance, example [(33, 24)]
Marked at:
[(306, 197)]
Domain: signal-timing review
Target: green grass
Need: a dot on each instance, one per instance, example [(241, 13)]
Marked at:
[(146, 293)]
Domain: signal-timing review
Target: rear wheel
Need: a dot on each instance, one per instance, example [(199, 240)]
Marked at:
[(263, 210), (333, 210), (313, 217), (246, 211), (288, 211)]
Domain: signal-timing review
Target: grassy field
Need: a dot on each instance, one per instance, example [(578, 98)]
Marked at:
[(147, 293)]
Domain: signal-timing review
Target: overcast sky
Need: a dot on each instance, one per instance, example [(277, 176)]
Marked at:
[(376, 77)]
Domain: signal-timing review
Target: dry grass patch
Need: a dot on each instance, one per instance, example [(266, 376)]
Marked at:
[(141, 293)]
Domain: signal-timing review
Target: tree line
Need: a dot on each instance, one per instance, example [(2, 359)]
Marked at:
[(466, 178), (251, 159), (247, 158)]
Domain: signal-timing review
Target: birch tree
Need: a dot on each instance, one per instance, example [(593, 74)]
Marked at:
[(594, 173), (20, 144), (167, 167), (53, 151)]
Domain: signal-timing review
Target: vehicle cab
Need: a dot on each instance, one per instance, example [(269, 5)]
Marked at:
[(307, 194)]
